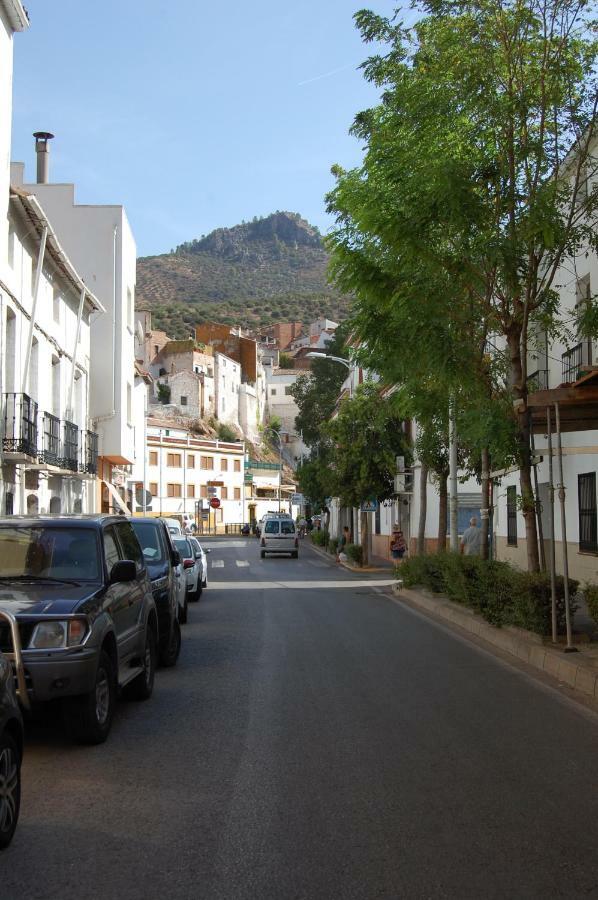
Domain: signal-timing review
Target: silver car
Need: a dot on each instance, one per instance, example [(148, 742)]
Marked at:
[(204, 560), (279, 536), (192, 567)]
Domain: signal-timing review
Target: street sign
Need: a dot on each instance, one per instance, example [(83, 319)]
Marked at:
[(215, 502), (212, 490), (370, 505), (297, 499)]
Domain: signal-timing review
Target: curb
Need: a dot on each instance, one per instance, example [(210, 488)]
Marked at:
[(581, 674), (325, 555)]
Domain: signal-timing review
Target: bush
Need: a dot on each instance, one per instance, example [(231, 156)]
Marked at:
[(333, 546), (226, 433), (355, 553), (320, 538), (503, 595), (590, 592)]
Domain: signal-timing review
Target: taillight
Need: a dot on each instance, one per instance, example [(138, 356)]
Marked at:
[(188, 564)]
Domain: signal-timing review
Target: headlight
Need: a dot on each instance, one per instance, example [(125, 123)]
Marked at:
[(57, 634)]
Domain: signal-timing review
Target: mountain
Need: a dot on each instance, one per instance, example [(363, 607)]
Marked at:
[(268, 270)]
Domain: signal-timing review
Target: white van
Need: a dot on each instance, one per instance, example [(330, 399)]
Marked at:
[(173, 525), (279, 536)]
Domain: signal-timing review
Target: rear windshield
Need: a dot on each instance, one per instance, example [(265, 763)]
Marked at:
[(271, 526), (151, 541), (287, 527), (38, 551), (184, 547)]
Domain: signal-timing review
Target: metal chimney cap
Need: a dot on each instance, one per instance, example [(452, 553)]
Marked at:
[(43, 135)]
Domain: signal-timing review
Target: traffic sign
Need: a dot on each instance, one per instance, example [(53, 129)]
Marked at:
[(215, 502), (370, 505), (297, 499)]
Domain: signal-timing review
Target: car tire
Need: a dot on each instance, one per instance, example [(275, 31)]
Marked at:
[(170, 654), (10, 783), (263, 554), (183, 613), (89, 717), (142, 686), (295, 554), (204, 583)]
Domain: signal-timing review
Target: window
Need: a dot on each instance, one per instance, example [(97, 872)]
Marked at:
[(11, 247), (56, 305), (588, 522), (129, 543), (237, 493), (224, 465), (224, 493), (183, 400), (512, 516), (206, 462), (173, 460), (237, 465), (223, 406), (191, 461), (203, 491), (191, 490), (153, 488), (273, 392), (153, 458), (110, 549), (173, 490)]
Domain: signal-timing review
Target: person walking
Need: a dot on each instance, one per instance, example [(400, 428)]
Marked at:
[(342, 544), (471, 542), (398, 544)]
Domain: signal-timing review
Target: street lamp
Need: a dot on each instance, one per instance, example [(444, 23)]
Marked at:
[(315, 354)]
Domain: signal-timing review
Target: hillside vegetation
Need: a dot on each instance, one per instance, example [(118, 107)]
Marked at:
[(264, 271)]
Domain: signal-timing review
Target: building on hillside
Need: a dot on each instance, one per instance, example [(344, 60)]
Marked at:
[(563, 371), (318, 336), (227, 389), (49, 448), (99, 241), (182, 472), (188, 370), (282, 334), (282, 405), (148, 341)]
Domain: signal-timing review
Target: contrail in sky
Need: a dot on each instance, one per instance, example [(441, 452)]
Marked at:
[(326, 74)]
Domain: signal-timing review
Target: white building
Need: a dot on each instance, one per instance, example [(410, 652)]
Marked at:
[(182, 472), (227, 378), (100, 243), (281, 404)]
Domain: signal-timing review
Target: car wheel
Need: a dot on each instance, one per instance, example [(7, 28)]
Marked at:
[(10, 788), (204, 583), (263, 554), (184, 611), (89, 717), (295, 554), (170, 654), (142, 686)]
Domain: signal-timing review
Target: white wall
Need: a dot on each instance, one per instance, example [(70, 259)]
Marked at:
[(227, 378)]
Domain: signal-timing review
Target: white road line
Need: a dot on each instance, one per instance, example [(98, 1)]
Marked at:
[(217, 563), (241, 562), (297, 585)]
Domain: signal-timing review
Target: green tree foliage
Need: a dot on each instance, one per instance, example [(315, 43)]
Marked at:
[(473, 190), (316, 392)]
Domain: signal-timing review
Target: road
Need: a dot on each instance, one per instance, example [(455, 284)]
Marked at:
[(315, 741)]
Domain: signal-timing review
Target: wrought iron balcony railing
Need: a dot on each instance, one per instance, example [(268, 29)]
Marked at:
[(89, 452), (50, 452), (574, 361), (20, 424), (69, 458)]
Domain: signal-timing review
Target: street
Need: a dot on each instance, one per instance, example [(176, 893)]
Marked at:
[(314, 741)]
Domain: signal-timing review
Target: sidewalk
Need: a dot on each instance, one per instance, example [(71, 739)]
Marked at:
[(377, 565)]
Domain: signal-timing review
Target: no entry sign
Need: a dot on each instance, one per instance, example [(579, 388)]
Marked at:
[(215, 502)]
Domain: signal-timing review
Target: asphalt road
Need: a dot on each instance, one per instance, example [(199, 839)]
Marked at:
[(316, 740)]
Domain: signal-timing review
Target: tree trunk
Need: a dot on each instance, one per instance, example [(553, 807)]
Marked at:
[(485, 510), (528, 505), (423, 509), (442, 511), (365, 539)]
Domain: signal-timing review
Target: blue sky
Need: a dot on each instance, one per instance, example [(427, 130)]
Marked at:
[(194, 115)]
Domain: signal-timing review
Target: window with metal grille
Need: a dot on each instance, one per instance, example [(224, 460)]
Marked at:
[(588, 519), (512, 516)]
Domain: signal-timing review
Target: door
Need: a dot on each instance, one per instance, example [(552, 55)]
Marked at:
[(117, 595), (136, 590)]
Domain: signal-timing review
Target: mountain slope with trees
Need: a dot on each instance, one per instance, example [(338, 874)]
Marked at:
[(267, 270)]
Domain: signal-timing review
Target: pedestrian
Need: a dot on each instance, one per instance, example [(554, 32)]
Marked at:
[(341, 551), (398, 545), (471, 542)]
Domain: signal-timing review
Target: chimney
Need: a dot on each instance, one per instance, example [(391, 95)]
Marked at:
[(43, 155)]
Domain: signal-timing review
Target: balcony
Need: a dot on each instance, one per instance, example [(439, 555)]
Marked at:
[(89, 453), (20, 426), (575, 360), (537, 381), (256, 464), (69, 458), (50, 452)]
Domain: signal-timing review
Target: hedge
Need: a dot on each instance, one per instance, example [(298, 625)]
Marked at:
[(502, 594), (355, 552), (333, 546), (590, 592), (320, 538)]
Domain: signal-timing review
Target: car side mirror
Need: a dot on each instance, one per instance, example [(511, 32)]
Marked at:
[(123, 571), (176, 558)]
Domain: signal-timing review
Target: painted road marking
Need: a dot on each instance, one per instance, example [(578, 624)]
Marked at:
[(217, 563), (300, 585), (241, 562)]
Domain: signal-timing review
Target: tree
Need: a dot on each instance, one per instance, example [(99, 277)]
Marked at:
[(366, 437), (476, 172)]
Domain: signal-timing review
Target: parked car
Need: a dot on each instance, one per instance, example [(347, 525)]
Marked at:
[(11, 727), (173, 525), (162, 559), (204, 560), (279, 536), (191, 565), (80, 591)]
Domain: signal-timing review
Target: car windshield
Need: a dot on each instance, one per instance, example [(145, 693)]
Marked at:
[(271, 526), (148, 535), (287, 527), (184, 548), (40, 551)]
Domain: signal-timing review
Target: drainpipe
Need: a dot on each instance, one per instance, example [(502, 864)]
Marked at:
[(69, 404), (38, 275)]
